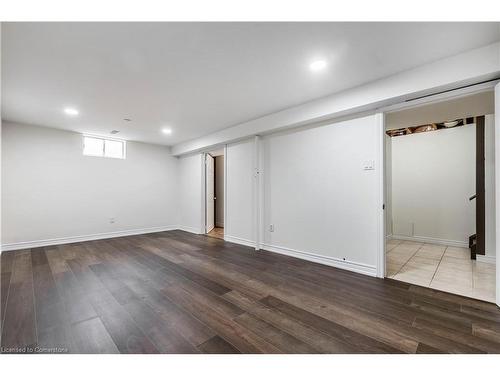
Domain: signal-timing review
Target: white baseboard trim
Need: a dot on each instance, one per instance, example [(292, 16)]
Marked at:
[(89, 237), (190, 229), (364, 269), (435, 241), (239, 241), (486, 259)]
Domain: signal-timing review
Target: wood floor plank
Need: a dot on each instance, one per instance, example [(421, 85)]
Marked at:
[(354, 339), (124, 332), (217, 345), (128, 262), (49, 306), (240, 337), (322, 342), (280, 339), (190, 275), (91, 337), (176, 292), (205, 296), (57, 339), (121, 292), (468, 339), (76, 301), (394, 333), (53, 326), (163, 335), (6, 262), (193, 330), (440, 296), (487, 331), (226, 274), (56, 261), (426, 349), (19, 330), (87, 279)]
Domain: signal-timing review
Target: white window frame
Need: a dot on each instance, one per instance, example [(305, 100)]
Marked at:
[(104, 139)]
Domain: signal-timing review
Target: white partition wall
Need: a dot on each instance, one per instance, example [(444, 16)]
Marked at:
[(322, 194), (191, 194), (240, 194)]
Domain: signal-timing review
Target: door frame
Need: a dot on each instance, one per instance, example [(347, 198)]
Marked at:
[(204, 187), (490, 86), (497, 189), (480, 186), (382, 197), (205, 157)]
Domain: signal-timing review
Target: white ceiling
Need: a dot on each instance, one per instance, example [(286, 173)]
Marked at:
[(198, 78)]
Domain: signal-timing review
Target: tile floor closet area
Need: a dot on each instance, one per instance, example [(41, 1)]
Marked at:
[(445, 268), (216, 233)]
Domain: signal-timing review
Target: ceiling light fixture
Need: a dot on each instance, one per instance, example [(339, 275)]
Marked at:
[(166, 131), (71, 111), (317, 65)]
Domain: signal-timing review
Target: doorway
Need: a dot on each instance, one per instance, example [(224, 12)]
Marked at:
[(440, 217), (214, 194)]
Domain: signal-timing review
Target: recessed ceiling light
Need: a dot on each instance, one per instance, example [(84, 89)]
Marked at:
[(317, 65), (166, 131), (71, 111)]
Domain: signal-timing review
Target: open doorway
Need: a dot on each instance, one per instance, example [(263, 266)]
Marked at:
[(214, 194), (440, 217)]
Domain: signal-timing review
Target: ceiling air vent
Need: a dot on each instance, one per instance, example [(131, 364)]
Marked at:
[(114, 131)]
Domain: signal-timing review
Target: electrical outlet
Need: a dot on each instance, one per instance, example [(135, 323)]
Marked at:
[(271, 228), (369, 165), (111, 220)]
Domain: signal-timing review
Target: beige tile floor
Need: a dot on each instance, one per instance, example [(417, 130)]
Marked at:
[(445, 268), (217, 232)]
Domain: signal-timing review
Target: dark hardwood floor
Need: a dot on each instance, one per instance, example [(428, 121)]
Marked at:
[(175, 292)]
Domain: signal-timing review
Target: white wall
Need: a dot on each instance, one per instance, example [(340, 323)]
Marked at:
[(51, 191), (324, 206), (433, 175), (240, 210), (191, 193), (219, 191)]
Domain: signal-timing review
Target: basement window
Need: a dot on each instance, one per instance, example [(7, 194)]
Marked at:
[(103, 147)]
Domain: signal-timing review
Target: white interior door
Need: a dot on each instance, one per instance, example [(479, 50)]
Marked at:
[(497, 189), (210, 193)]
